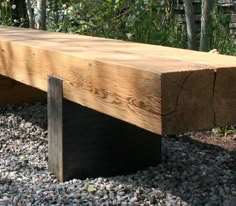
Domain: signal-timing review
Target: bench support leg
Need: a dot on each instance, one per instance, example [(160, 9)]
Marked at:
[(85, 143)]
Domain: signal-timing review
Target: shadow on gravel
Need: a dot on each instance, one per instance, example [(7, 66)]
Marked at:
[(192, 172), (34, 113), (228, 163)]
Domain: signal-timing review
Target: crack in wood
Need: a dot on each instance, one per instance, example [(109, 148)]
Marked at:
[(213, 97), (178, 96)]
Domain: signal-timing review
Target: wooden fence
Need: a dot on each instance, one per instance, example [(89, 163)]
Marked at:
[(228, 7)]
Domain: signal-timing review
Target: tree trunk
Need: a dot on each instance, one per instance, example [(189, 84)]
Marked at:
[(54, 6), (19, 12), (190, 22), (41, 15), (30, 13), (206, 25)]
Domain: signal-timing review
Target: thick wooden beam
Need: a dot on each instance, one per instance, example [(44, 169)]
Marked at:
[(163, 90), (187, 101), (12, 92), (224, 101)]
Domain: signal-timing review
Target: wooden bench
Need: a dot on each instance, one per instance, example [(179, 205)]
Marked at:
[(110, 101)]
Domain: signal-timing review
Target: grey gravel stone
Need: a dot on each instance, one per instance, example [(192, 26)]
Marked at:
[(233, 192), (28, 125), (190, 174)]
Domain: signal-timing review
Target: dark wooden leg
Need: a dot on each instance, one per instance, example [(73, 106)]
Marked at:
[(85, 143), (55, 127)]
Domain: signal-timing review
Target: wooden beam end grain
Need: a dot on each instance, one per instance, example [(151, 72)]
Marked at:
[(187, 99), (225, 97)]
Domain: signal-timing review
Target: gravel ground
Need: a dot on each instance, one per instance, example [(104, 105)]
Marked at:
[(192, 172)]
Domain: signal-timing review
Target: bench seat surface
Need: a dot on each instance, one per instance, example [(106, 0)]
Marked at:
[(161, 89)]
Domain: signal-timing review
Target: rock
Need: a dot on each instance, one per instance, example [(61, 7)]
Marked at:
[(133, 199), (121, 193), (28, 125), (109, 187), (233, 192), (152, 200), (120, 187)]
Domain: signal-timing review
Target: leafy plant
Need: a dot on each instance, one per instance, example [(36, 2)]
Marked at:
[(6, 13), (224, 131), (132, 20), (222, 39)]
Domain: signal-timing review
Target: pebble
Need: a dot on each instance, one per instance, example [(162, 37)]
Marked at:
[(28, 124), (233, 192), (190, 174), (108, 187)]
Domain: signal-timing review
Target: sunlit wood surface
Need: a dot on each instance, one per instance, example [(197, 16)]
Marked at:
[(161, 89)]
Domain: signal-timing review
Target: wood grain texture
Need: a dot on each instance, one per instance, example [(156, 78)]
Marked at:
[(163, 90), (187, 101), (225, 97), (55, 127)]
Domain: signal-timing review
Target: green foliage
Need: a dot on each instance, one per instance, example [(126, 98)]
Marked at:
[(6, 13), (91, 188), (132, 20), (224, 131), (222, 40)]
